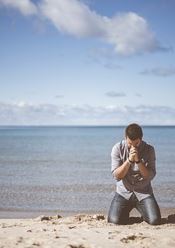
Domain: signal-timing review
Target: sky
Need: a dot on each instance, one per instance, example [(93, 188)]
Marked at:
[(87, 62)]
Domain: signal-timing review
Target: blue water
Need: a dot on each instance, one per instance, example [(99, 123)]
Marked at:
[(68, 168)]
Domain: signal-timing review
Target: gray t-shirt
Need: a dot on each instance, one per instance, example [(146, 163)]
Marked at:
[(133, 182)]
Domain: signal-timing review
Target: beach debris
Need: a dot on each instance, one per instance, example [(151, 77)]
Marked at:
[(58, 216), (54, 223), (45, 218), (98, 217), (48, 218), (76, 246), (71, 227), (85, 217), (36, 243), (133, 237), (3, 225), (19, 240)]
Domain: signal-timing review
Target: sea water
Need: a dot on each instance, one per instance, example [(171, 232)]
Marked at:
[(67, 169)]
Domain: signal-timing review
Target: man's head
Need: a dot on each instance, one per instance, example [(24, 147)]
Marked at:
[(133, 134)]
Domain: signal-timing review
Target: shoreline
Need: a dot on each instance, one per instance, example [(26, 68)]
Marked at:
[(27, 214)]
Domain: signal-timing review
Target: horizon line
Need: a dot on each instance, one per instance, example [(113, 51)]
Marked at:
[(53, 125)]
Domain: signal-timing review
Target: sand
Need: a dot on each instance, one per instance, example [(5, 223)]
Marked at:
[(85, 231)]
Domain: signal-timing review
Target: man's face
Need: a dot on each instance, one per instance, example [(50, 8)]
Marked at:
[(134, 143)]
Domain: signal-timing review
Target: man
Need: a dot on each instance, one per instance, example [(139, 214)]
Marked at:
[(133, 167)]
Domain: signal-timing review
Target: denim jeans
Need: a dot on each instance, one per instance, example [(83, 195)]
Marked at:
[(120, 209)]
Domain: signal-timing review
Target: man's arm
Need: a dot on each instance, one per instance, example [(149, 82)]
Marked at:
[(147, 171), (151, 163), (143, 170), (120, 172), (141, 165), (119, 169)]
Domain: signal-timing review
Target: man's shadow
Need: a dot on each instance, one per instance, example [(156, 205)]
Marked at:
[(170, 219)]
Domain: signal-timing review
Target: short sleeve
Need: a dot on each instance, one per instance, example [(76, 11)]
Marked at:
[(115, 157)]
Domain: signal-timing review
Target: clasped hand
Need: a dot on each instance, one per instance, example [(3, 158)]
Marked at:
[(133, 154)]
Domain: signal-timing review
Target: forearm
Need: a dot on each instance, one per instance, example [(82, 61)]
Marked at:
[(122, 170), (141, 165), (143, 170)]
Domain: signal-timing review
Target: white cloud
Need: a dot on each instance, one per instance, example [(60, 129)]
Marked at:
[(59, 96), (128, 33), (26, 7), (73, 17), (48, 114), (160, 71), (115, 94)]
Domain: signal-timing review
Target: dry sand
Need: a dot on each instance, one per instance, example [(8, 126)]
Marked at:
[(85, 231)]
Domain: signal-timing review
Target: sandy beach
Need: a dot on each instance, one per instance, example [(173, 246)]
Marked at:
[(85, 231)]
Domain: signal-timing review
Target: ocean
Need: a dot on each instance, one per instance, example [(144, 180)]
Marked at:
[(67, 169)]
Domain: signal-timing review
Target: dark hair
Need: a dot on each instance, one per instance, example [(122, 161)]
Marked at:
[(133, 131)]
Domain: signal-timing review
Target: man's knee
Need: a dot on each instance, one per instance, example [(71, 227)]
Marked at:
[(154, 221), (116, 220), (113, 219)]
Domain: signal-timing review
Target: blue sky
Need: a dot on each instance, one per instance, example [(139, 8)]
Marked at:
[(88, 62)]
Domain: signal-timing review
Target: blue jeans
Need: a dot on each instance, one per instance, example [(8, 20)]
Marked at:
[(120, 209)]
